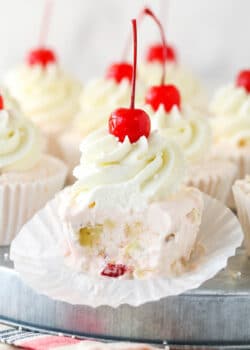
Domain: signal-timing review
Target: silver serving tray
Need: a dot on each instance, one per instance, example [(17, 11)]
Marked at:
[(217, 315)]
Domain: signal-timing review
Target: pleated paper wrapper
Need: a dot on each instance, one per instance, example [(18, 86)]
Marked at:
[(213, 177), (38, 257), (20, 201), (242, 201)]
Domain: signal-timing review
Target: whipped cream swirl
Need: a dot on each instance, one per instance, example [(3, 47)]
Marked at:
[(190, 88), (20, 143), (98, 100), (231, 122), (186, 127), (154, 165), (47, 95)]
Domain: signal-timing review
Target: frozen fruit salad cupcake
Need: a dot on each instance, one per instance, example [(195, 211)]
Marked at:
[(129, 214), (97, 101), (46, 94), (28, 178), (190, 130)]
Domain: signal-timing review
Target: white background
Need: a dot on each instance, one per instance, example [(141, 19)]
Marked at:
[(212, 36)]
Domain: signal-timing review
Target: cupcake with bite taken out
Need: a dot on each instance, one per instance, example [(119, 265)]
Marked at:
[(28, 178), (191, 131), (45, 92), (130, 215)]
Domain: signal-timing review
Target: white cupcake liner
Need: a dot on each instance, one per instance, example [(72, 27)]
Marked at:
[(20, 201), (214, 177), (240, 157), (242, 201), (38, 256)]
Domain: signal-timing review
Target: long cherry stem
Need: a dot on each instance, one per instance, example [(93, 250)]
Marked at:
[(150, 13), (129, 37), (132, 103), (45, 22)]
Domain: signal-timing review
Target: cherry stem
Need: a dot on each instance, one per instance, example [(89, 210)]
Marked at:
[(148, 12), (132, 103), (129, 37), (45, 23)]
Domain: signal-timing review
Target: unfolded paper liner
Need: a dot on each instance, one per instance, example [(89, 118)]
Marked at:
[(38, 257), (20, 201), (214, 177), (242, 201)]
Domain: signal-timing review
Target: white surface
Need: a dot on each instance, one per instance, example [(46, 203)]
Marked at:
[(212, 36), (38, 257)]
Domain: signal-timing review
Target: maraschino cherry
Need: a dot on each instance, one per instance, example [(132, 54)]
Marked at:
[(1, 103), (119, 71), (156, 53), (131, 122), (243, 80), (114, 270), (163, 94), (42, 55)]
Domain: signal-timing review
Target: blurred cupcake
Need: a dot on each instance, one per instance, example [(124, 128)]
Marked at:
[(151, 72), (97, 101), (192, 132), (241, 191), (28, 178), (46, 94), (231, 123)]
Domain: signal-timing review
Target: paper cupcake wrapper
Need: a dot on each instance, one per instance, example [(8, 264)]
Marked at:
[(242, 201), (38, 257), (217, 184), (19, 202)]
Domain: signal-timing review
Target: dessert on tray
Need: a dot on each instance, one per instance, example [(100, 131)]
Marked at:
[(129, 230), (190, 129), (28, 178)]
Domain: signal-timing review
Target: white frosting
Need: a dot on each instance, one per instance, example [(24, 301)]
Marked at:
[(47, 95), (190, 88), (98, 100), (186, 127), (231, 122), (154, 166), (20, 143)]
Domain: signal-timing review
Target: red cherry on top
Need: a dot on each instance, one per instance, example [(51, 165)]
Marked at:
[(243, 80), (133, 123), (156, 53), (120, 71), (41, 56), (114, 270), (166, 95), (1, 103)]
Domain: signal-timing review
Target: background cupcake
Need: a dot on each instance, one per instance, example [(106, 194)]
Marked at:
[(46, 94), (230, 107), (28, 178)]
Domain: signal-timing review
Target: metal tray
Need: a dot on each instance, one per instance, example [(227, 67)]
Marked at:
[(217, 315)]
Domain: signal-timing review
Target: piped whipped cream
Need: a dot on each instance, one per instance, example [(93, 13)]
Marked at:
[(47, 95), (20, 142), (153, 165), (190, 88), (99, 98), (231, 122), (186, 127)]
